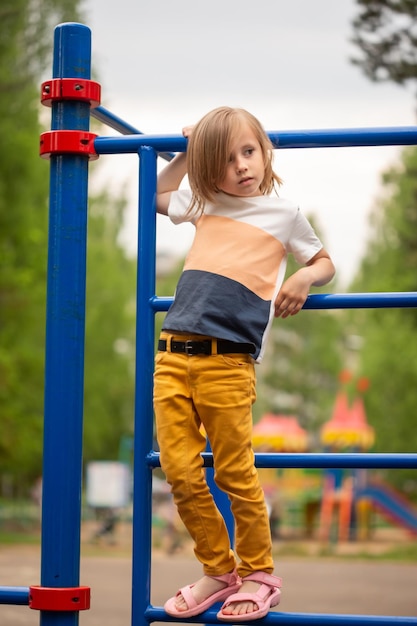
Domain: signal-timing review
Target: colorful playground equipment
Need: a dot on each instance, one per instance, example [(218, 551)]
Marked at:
[(279, 433), (293, 494), (351, 496), (387, 501), (344, 500), (70, 146)]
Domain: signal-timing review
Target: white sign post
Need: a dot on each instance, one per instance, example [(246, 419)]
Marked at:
[(108, 484)]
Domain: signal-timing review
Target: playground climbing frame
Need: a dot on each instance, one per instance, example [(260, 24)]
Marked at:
[(70, 146)]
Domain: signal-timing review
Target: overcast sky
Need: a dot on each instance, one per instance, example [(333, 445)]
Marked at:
[(163, 64)]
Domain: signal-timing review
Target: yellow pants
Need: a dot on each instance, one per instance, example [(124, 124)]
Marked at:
[(217, 392)]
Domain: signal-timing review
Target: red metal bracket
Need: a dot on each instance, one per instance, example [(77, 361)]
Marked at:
[(59, 598), (68, 142), (81, 89)]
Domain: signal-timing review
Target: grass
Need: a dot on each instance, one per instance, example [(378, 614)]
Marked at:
[(406, 552), (371, 551), (16, 538)]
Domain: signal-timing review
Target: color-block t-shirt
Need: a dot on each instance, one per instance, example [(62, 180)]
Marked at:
[(236, 265)]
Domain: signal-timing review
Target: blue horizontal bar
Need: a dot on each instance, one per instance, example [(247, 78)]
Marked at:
[(132, 143), (124, 128), (335, 459), (331, 138), (362, 300), (320, 460), (333, 301), (157, 614), (14, 595), (344, 138)]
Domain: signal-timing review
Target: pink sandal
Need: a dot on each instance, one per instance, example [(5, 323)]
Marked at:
[(267, 596), (233, 582)]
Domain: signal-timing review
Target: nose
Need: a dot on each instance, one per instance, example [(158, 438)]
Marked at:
[(241, 165)]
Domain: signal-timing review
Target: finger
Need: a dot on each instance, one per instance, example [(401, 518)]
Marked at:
[(187, 130), (280, 311)]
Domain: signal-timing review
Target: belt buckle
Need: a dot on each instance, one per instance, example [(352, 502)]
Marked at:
[(189, 347), (193, 348)]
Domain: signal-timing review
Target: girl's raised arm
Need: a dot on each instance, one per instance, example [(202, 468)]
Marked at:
[(170, 178)]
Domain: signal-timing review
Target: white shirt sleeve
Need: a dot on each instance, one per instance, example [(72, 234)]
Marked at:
[(303, 241), (178, 205)]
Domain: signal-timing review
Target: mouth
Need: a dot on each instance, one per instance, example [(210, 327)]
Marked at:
[(245, 181)]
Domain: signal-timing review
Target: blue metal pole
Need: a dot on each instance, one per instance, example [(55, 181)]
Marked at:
[(345, 137), (321, 460), (64, 358), (362, 300), (124, 128), (327, 138), (145, 342), (156, 614), (407, 299), (14, 595), (221, 498)]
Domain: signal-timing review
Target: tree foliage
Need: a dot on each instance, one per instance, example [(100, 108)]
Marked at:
[(23, 228), (388, 356), (110, 332), (385, 31), (26, 36)]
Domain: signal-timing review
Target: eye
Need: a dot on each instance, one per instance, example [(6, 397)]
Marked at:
[(249, 151)]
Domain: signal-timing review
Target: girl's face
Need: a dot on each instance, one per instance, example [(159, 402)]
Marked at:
[(245, 169)]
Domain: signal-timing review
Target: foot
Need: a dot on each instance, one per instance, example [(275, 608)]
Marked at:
[(196, 598), (201, 590), (244, 607), (257, 594)]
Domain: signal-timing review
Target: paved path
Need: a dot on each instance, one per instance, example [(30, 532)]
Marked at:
[(310, 585)]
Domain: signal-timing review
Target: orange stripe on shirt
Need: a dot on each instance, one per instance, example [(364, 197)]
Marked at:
[(238, 251)]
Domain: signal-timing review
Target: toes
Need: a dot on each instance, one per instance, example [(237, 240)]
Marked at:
[(180, 604), (240, 608)]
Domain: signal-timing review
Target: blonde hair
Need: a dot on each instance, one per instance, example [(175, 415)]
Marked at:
[(209, 150)]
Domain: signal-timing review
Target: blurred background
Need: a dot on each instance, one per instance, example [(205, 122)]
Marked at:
[(331, 380)]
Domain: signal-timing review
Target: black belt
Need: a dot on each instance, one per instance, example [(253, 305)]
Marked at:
[(192, 348)]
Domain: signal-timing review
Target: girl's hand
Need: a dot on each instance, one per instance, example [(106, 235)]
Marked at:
[(294, 291), (292, 294), (187, 131)]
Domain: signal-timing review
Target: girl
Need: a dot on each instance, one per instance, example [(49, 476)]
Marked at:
[(231, 288)]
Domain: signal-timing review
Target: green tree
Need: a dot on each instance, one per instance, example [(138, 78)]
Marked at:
[(110, 332), (385, 31), (23, 228), (26, 29), (388, 356)]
